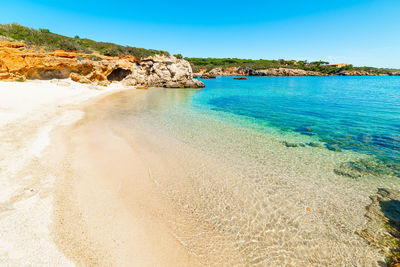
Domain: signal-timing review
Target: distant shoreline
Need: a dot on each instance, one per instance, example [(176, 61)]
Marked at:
[(280, 72)]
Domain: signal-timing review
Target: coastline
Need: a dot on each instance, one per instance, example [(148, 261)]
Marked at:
[(30, 111), (129, 182), (94, 184)]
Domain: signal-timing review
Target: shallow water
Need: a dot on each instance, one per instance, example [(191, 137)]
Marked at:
[(272, 170), (355, 113)]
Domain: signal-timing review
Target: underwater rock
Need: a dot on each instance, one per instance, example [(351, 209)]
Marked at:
[(364, 138), (314, 144), (391, 142), (366, 167), (288, 144), (333, 147), (383, 227), (305, 130)]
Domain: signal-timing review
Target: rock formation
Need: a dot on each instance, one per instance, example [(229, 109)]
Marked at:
[(18, 63), (285, 72), (208, 76), (238, 71), (162, 71), (355, 73), (383, 228)]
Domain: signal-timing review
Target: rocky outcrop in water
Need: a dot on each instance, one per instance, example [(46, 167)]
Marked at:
[(208, 76), (383, 228), (17, 63), (238, 71), (285, 72)]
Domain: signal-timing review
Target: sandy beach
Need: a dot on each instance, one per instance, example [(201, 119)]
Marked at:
[(29, 112), (137, 134), (124, 177), (67, 193)]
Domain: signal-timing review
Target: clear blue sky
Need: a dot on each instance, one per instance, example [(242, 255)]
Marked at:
[(362, 32)]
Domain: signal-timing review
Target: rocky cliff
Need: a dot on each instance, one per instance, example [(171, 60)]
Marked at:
[(18, 63), (239, 71)]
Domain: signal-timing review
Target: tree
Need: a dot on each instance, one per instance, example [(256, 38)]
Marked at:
[(178, 56)]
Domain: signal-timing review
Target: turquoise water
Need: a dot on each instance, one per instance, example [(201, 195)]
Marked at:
[(269, 171), (360, 114)]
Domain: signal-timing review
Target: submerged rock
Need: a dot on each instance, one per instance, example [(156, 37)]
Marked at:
[(305, 130), (391, 142), (365, 167), (314, 144), (364, 138), (288, 144), (333, 147), (383, 227)]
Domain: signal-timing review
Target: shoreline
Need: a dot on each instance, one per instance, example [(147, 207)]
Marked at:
[(92, 188), (103, 196), (198, 76), (134, 183)]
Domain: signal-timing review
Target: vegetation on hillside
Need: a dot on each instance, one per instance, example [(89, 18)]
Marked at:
[(51, 41), (319, 66)]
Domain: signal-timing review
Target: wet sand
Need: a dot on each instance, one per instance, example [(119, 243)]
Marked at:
[(107, 202)]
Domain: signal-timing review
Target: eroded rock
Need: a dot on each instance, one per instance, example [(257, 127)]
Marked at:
[(18, 63)]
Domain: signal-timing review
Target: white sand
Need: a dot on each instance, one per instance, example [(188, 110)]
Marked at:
[(28, 113)]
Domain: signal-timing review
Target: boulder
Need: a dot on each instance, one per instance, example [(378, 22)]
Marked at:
[(208, 76)]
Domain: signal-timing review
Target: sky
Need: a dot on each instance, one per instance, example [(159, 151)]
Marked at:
[(360, 32)]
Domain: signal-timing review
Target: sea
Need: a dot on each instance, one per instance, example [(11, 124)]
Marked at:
[(270, 171)]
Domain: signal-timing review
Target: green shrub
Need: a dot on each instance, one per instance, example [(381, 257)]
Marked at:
[(318, 66), (178, 56), (95, 58), (52, 41), (44, 30)]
